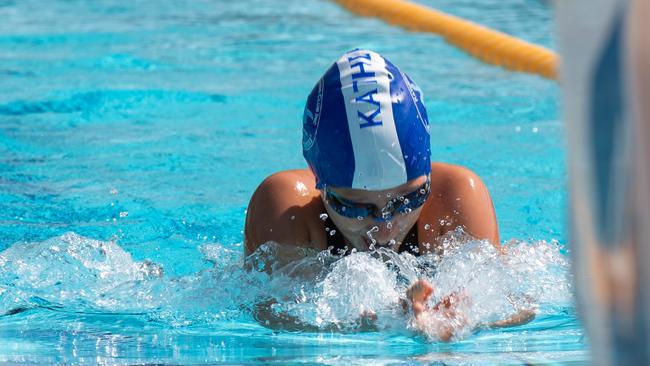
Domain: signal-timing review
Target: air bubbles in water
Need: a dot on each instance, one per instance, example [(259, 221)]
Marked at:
[(323, 216)]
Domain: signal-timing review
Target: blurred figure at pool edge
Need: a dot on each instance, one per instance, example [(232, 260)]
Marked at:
[(371, 183), (606, 89)]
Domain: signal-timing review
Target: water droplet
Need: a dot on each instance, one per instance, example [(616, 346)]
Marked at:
[(327, 229), (360, 218), (332, 232), (124, 214), (423, 191), (392, 242), (293, 217), (114, 191), (535, 129), (406, 201), (389, 225), (323, 216), (427, 226)]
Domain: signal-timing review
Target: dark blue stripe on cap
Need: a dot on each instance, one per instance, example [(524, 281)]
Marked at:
[(411, 123), (331, 156)]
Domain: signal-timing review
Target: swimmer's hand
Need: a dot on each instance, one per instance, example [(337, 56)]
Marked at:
[(444, 320)]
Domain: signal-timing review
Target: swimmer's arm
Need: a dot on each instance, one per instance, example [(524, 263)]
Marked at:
[(520, 318), (268, 317), (525, 313)]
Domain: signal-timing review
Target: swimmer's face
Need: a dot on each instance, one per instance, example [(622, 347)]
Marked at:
[(365, 231)]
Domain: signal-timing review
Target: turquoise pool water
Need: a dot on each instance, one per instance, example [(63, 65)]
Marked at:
[(132, 135)]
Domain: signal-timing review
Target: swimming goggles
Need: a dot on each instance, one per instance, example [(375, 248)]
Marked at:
[(402, 204)]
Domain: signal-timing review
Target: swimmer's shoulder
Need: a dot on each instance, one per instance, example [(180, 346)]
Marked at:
[(450, 177), (458, 198), (285, 208)]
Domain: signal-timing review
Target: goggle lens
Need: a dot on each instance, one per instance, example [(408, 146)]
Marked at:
[(403, 204)]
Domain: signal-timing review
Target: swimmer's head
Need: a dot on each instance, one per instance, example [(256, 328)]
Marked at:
[(365, 125)]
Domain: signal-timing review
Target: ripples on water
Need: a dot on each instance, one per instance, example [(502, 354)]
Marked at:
[(308, 289)]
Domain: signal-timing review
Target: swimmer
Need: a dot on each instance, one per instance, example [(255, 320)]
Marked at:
[(370, 182)]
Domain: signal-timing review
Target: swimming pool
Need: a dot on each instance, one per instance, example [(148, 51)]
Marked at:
[(133, 134)]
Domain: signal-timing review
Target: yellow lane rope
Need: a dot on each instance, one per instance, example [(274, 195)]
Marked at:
[(483, 43)]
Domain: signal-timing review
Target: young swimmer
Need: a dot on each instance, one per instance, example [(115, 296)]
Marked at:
[(370, 182)]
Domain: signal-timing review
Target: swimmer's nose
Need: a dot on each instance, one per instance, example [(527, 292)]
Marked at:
[(382, 216)]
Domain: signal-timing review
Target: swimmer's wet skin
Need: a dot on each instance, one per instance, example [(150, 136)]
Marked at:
[(366, 140)]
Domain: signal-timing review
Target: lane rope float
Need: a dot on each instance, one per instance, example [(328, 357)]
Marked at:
[(488, 45)]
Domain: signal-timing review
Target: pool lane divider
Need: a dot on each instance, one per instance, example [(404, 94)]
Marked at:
[(488, 45)]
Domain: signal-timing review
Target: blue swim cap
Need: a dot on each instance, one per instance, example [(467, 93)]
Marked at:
[(365, 125)]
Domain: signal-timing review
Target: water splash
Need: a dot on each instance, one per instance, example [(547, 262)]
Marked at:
[(283, 286), (72, 272), (493, 284)]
